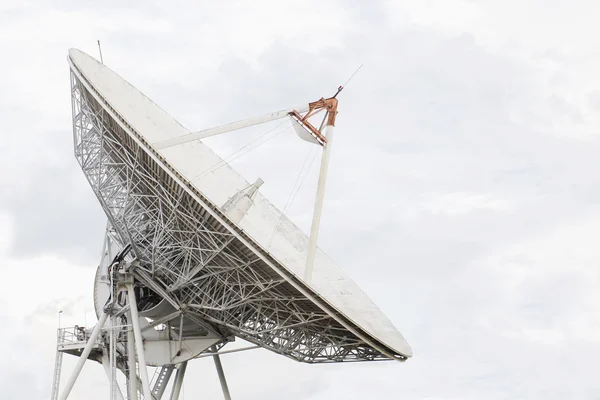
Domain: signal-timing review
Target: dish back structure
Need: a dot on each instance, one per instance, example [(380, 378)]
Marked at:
[(211, 257)]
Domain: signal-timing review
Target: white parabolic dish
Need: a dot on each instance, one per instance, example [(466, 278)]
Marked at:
[(330, 289)]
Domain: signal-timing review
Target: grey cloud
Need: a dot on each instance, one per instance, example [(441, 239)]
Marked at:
[(594, 100), (52, 207), (561, 106), (19, 384), (52, 307), (427, 116)]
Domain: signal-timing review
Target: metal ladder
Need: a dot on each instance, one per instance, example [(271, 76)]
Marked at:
[(161, 381), (57, 368)]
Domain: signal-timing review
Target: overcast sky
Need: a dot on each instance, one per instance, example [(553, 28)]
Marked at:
[(463, 193)]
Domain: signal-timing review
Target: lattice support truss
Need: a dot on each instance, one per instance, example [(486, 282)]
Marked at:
[(196, 261)]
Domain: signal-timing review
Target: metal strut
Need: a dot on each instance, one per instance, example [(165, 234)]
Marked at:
[(227, 128), (139, 344), (331, 106), (178, 381), (219, 367), (131, 363), (115, 390)]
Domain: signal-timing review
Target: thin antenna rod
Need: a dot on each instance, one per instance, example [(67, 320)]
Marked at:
[(100, 50), (349, 79), (352, 76)]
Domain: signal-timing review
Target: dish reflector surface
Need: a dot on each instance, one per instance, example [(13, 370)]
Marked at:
[(167, 203)]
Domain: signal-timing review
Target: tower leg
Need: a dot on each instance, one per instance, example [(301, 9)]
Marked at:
[(84, 355), (112, 361), (132, 378), (219, 366), (139, 344), (178, 381), (114, 386)]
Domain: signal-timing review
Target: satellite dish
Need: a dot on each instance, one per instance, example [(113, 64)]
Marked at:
[(190, 260)]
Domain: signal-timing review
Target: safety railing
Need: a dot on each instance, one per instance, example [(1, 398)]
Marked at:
[(72, 335)]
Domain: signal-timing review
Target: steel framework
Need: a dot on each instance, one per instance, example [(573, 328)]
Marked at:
[(185, 254), (114, 348)]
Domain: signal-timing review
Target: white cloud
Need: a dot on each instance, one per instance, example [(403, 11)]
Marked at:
[(460, 196), (462, 203)]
